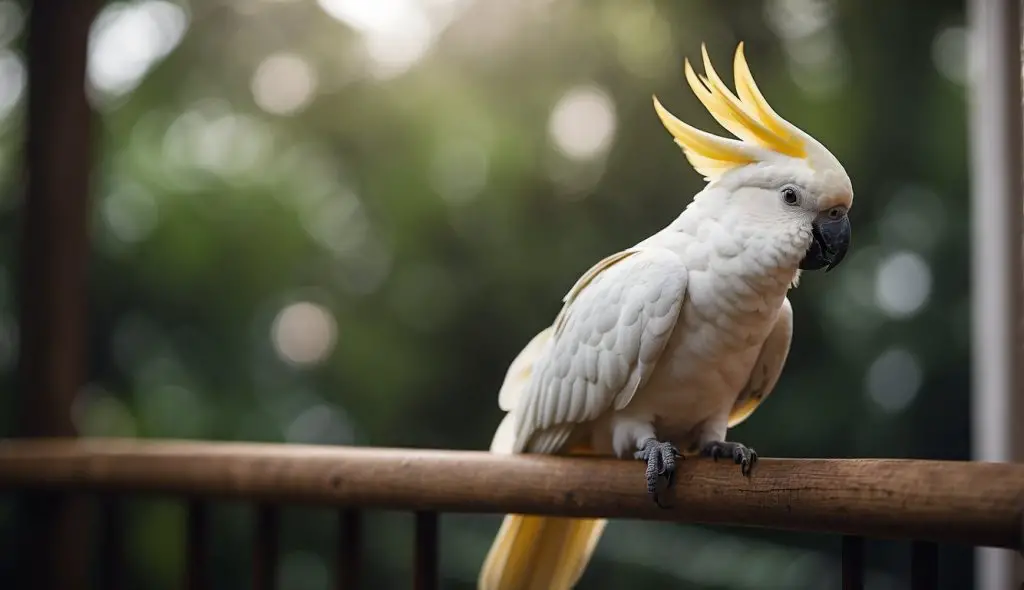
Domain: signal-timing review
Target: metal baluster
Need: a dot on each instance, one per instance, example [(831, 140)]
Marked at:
[(264, 556), (924, 566), (853, 563), (195, 547), (425, 573), (349, 549), (111, 548)]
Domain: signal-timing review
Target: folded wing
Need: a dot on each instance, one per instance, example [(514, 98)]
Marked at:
[(767, 368), (605, 343)]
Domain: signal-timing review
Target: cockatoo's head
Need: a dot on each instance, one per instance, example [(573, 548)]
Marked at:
[(774, 173)]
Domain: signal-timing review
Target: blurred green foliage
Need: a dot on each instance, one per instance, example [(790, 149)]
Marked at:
[(336, 222)]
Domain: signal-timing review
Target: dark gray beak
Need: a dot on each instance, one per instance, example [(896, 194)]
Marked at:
[(829, 243)]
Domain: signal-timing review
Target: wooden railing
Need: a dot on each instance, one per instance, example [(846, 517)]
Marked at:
[(927, 502)]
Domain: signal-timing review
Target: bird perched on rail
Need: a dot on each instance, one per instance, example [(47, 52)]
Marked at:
[(669, 343)]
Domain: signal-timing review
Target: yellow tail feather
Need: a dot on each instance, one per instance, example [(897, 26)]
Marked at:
[(539, 553), (534, 552)]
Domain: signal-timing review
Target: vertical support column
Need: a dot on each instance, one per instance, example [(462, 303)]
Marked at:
[(265, 547), (997, 209), (853, 563), (112, 574), (196, 570), (55, 217), (347, 561), (924, 566), (52, 282), (426, 574)]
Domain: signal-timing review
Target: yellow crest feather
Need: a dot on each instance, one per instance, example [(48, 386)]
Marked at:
[(746, 114)]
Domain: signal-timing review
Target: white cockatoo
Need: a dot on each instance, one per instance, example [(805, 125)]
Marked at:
[(668, 344)]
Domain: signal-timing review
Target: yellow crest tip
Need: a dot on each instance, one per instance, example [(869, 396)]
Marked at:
[(746, 114)]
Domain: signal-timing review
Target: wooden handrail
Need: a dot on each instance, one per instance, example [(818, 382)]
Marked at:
[(941, 501)]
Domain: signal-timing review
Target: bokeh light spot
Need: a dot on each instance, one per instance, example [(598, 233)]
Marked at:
[(12, 19), (949, 53), (12, 81), (130, 213), (582, 123), (284, 84), (320, 424), (304, 333), (903, 284), (128, 38), (396, 33), (97, 412), (793, 19), (893, 380), (914, 217)]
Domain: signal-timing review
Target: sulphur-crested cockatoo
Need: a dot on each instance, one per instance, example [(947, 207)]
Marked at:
[(669, 343)]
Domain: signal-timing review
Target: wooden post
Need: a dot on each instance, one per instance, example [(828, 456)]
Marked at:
[(52, 284)]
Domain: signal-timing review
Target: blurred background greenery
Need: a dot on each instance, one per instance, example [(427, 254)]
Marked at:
[(337, 221)]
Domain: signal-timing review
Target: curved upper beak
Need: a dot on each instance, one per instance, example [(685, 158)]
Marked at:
[(830, 241)]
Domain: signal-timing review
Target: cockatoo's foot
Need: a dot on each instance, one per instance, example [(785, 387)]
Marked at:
[(742, 455), (661, 461)]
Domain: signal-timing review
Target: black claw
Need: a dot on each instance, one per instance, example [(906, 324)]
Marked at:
[(742, 455), (668, 460), (661, 462)]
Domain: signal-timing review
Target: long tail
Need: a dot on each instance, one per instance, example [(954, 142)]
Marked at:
[(534, 552), (539, 553)]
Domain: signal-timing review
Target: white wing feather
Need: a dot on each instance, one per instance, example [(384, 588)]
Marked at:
[(518, 375), (768, 367), (607, 340)]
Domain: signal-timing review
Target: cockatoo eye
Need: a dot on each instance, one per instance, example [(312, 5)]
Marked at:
[(789, 196)]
